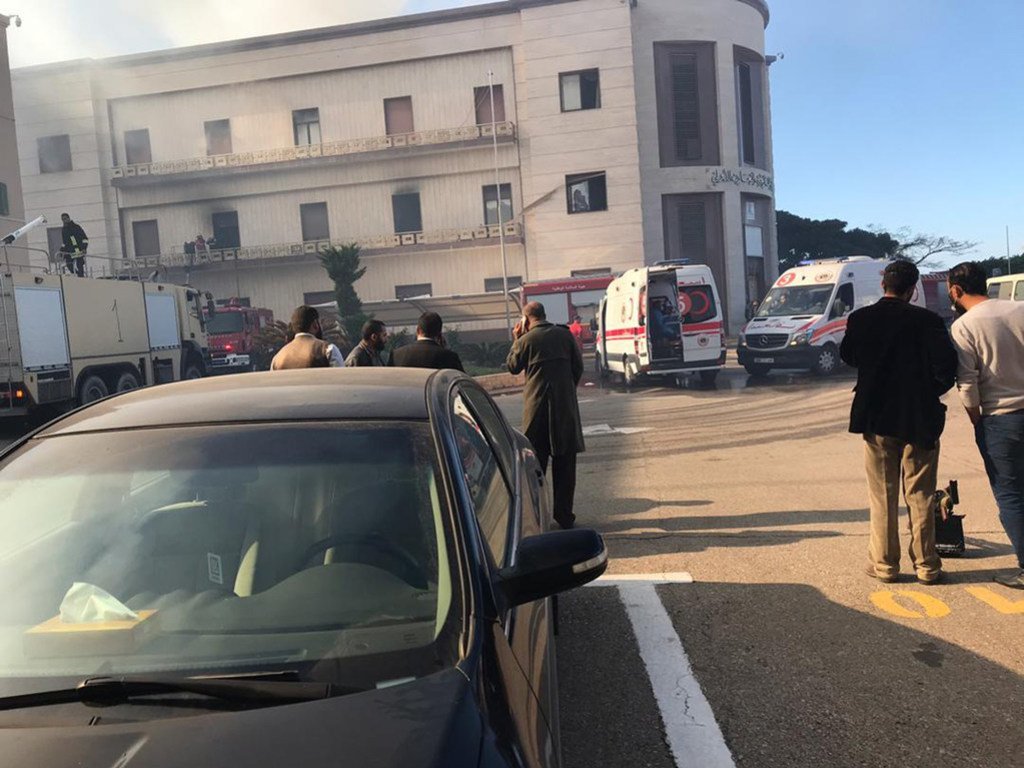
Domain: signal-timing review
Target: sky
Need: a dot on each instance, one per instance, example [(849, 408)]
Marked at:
[(887, 113)]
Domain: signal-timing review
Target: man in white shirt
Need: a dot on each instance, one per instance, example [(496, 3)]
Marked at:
[(989, 339), (307, 349)]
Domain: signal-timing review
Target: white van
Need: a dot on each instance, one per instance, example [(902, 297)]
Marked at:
[(664, 320), (802, 320), (1007, 287)]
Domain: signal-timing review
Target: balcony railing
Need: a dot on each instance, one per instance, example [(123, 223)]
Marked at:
[(348, 147), (369, 245)]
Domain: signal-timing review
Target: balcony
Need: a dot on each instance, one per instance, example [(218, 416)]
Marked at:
[(349, 148), (377, 245)]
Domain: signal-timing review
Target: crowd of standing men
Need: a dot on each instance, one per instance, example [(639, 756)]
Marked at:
[(906, 360)]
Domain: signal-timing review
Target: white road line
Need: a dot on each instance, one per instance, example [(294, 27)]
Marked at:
[(614, 579), (692, 733)]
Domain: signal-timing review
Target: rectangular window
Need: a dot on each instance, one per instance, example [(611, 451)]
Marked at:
[(406, 210), (136, 147), (5, 203), (218, 137), (225, 230), (596, 272), (54, 153), (306, 125), (497, 284), (580, 90), (750, 107), (314, 222), (693, 231), (586, 192), (491, 211), (398, 115), (312, 298), (482, 100), (413, 290), (146, 236), (687, 103)]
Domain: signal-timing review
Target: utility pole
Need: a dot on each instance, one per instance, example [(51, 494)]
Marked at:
[(497, 198), (1009, 266)]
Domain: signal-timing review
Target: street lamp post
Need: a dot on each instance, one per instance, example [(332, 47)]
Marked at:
[(497, 199)]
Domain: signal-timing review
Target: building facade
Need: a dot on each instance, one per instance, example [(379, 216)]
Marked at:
[(622, 132), (12, 213)]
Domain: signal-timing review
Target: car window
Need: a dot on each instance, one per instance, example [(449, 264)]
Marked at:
[(495, 429), (697, 304), (233, 548), (492, 500), (1018, 291), (1005, 290), (843, 302)]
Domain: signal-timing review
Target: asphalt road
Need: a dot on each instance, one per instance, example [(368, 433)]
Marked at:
[(757, 491)]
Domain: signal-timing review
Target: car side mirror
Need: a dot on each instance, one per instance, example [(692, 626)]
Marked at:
[(553, 562)]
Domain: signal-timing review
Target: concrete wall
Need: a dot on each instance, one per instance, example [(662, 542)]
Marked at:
[(727, 23), (10, 171)]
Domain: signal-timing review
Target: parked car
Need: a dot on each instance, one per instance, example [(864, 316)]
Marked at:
[(318, 568)]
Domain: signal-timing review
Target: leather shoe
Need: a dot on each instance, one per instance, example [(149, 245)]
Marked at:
[(1011, 580), (938, 578), (875, 575)]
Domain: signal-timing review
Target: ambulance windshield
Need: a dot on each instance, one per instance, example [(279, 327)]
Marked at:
[(796, 300)]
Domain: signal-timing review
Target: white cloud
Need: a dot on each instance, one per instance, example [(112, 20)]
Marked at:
[(57, 30)]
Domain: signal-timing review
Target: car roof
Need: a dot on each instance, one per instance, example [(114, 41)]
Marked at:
[(310, 394)]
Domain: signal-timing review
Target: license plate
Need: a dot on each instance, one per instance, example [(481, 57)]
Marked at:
[(764, 359)]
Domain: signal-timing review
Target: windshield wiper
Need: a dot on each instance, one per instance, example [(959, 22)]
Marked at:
[(276, 688)]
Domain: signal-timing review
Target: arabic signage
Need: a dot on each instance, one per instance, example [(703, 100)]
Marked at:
[(721, 177)]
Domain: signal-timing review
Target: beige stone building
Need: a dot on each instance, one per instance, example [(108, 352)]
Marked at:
[(12, 214), (627, 132)]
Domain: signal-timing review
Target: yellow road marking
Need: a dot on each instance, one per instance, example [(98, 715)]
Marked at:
[(933, 607), (997, 601)]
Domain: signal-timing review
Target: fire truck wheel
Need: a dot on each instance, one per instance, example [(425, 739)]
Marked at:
[(127, 381), (92, 388), (707, 378), (193, 371)]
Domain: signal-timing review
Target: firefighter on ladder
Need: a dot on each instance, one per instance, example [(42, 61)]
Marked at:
[(75, 244)]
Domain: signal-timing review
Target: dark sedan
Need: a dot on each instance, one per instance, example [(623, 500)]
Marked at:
[(311, 568)]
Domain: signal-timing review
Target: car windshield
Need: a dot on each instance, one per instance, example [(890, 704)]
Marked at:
[(797, 300), (212, 550), (225, 322)]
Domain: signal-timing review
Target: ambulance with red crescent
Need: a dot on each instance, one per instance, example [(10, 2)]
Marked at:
[(664, 320), (802, 320)]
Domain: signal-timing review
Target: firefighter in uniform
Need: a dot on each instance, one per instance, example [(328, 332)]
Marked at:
[(75, 244)]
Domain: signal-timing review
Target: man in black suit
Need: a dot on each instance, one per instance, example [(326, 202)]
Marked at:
[(905, 362), (428, 351)]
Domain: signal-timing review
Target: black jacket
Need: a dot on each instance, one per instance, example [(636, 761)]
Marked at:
[(551, 414), (425, 353), (905, 361), (74, 238)]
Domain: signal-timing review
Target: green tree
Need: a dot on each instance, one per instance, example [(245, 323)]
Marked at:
[(997, 266), (343, 267), (802, 239)]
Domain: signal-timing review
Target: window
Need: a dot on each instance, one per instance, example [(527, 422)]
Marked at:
[(54, 239), (218, 137), (497, 284), (1018, 291), (482, 100), (398, 115), (750, 106), (225, 230), (406, 209), (146, 236), (495, 428), (693, 231), (306, 125), (312, 298), (54, 153), (596, 272), (491, 212), (753, 240), (413, 290), (492, 500), (5, 203), (843, 302), (697, 304), (687, 103), (314, 222), (586, 192), (1004, 290), (580, 90), (136, 147)]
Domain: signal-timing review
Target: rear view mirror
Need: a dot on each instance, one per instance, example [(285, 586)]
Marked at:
[(553, 562)]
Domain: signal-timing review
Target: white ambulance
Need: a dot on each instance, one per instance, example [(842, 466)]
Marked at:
[(664, 320), (802, 320)]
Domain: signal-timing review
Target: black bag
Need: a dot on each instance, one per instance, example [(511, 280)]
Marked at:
[(949, 528)]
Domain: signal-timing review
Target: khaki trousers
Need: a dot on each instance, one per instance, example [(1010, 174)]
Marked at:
[(889, 461)]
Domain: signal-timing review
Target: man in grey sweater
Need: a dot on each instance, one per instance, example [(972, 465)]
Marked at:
[(989, 339)]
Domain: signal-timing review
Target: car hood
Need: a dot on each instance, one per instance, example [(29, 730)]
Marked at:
[(781, 324), (430, 722)]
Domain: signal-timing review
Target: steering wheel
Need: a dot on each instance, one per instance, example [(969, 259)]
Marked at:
[(370, 550)]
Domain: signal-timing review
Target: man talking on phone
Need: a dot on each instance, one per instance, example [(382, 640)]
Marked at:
[(551, 414)]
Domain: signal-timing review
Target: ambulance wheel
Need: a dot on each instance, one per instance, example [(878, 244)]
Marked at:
[(126, 382), (827, 361), (757, 370), (91, 389), (628, 377), (600, 370), (708, 378)]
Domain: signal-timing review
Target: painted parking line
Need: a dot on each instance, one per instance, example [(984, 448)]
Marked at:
[(669, 577)]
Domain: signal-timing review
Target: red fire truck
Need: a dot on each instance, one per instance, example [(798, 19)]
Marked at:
[(232, 331), (568, 298)]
